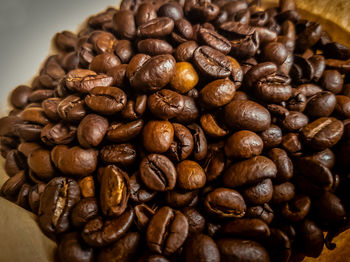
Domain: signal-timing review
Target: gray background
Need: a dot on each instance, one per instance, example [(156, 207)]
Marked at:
[(26, 30)]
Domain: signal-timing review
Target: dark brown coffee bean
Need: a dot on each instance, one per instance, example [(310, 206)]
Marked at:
[(154, 47), (157, 136), (271, 137), (115, 191), (145, 13), (124, 24), (172, 10), (247, 115), (279, 244), (165, 104), (72, 108), (20, 95), (27, 147), (38, 96), (342, 107), (56, 202), (74, 161), (123, 132), (332, 81), (259, 193), (167, 231), (321, 105), (39, 161), (7, 125), (283, 163), (275, 52), (243, 144), (50, 106), (200, 148), (182, 145), (201, 248), (241, 250), (153, 74), (217, 93), (124, 249), (83, 211), (184, 52), (28, 132), (35, 115), (15, 162), (34, 197), (158, 172), (250, 171), (190, 111), (212, 127), (214, 40), (310, 238), (118, 73), (91, 130), (143, 215), (156, 28), (106, 100), (124, 50), (103, 62), (72, 248), (138, 192), (135, 107), (212, 63), (329, 208), (120, 154), (83, 80), (200, 11), (179, 199), (264, 212), (66, 40), (224, 202), (323, 133), (13, 185), (99, 233), (294, 121), (283, 192), (248, 228), (196, 221), (190, 175), (61, 133), (296, 209)]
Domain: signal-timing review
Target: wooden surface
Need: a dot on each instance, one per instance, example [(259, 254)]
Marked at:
[(21, 238)]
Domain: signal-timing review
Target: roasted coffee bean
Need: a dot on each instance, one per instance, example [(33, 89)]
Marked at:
[(87, 186), (56, 203), (120, 154), (72, 108), (74, 161), (196, 221), (296, 209), (145, 13), (165, 104), (250, 171), (157, 136), (201, 248), (211, 126), (158, 173), (38, 96), (172, 10), (283, 192), (72, 248), (246, 114), (135, 108), (34, 115), (283, 163), (332, 81), (275, 52), (28, 132), (13, 185), (50, 106), (167, 231), (184, 52), (115, 191), (83, 211), (185, 78), (138, 192), (20, 95), (34, 196), (243, 144), (15, 162), (82, 80), (321, 105), (7, 125), (310, 238), (212, 63), (123, 132), (217, 93), (200, 148), (124, 24), (99, 233), (260, 193), (124, 50), (190, 112), (263, 212), (152, 46), (103, 62), (156, 28), (143, 215), (329, 208), (118, 73), (224, 202), (153, 74), (7, 144), (39, 161), (323, 133), (291, 143), (279, 245), (27, 147), (241, 250), (248, 228), (91, 130), (66, 40), (106, 100), (182, 145), (60, 133), (124, 249), (190, 175), (179, 199), (294, 121), (215, 40), (325, 157), (271, 137), (342, 107)]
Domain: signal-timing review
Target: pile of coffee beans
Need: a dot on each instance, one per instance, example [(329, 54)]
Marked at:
[(189, 130)]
